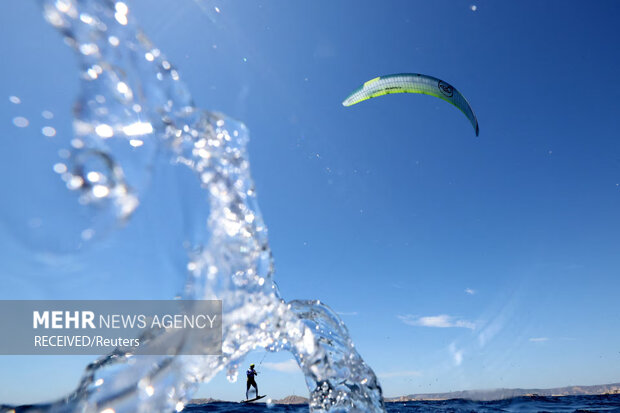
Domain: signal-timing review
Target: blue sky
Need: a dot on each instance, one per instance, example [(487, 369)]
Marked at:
[(456, 262)]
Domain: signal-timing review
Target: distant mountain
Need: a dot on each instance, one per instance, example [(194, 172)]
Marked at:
[(286, 400), (499, 394), (203, 401), (292, 400)]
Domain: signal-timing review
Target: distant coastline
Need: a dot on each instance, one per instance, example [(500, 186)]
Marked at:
[(500, 394), (477, 395)]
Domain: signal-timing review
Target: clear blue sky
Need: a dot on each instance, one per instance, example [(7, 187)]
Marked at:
[(390, 211)]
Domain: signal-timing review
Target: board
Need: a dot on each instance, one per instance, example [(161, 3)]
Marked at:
[(253, 400)]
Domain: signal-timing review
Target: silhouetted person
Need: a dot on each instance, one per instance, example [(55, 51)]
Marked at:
[(251, 382)]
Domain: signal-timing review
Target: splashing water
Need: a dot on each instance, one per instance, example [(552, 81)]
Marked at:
[(133, 108)]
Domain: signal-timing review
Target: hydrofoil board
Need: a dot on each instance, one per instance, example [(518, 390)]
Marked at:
[(253, 400)]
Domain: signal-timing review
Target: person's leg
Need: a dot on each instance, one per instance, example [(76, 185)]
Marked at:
[(256, 387), (247, 389)]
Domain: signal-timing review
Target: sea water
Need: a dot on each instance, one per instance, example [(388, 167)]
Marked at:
[(604, 403), (134, 115)]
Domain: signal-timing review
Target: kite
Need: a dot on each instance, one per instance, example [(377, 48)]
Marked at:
[(413, 83)]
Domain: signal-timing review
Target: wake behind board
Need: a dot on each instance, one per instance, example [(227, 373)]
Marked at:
[(253, 400)]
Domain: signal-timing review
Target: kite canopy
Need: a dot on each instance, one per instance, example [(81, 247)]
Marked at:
[(413, 83)]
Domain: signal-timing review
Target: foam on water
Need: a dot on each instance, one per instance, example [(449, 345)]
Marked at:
[(133, 108)]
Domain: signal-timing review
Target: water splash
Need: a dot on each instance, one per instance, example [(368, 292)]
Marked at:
[(133, 112)]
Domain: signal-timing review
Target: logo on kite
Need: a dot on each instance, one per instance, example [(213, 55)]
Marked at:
[(445, 88)]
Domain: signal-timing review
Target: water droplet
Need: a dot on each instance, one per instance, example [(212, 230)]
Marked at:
[(105, 131), (86, 18), (88, 49), (121, 13), (86, 235), (77, 143), (93, 176), (100, 191), (20, 121), (48, 131), (121, 7), (60, 168), (121, 18), (138, 128)]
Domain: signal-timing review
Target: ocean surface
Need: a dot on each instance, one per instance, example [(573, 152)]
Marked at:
[(604, 403)]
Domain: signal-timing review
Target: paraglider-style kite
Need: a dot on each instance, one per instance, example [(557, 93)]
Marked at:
[(413, 83)]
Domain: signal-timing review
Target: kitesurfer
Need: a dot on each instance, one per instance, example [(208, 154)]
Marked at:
[(250, 380)]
